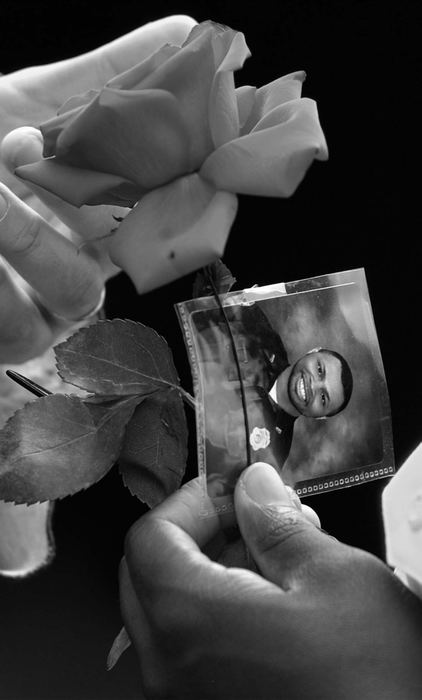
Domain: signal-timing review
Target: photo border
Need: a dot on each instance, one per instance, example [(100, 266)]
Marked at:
[(323, 484)]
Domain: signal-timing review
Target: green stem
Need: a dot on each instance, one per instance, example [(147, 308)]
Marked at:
[(187, 398)]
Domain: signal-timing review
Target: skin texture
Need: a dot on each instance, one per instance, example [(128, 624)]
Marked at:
[(41, 237), (321, 621)]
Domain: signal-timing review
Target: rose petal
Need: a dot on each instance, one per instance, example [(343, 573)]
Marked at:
[(78, 186), (230, 53), (272, 160), (200, 76), (139, 135), (133, 77), (173, 231), (188, 74), (52, 129), (245, 96), (26, 544), (77, 101), (272, 95)]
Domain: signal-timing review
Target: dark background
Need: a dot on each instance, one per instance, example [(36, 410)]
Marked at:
[(352, 211)]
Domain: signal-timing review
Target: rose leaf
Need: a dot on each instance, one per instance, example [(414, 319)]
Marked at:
[(117, 358), (57, 445), (220, 275), (153, 457)]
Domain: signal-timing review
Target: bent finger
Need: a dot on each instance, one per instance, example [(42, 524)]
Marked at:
[(133, 616), (155, 671), (93, 69), (69, 283), (24, 330), (130, 49), (24, 146), (165, 545)]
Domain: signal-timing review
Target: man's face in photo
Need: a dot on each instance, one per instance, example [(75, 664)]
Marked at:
[(315, 385)]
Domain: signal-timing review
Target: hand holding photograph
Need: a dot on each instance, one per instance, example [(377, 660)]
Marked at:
[(138, 149)]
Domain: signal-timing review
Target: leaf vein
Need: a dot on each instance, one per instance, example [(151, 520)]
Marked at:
[(54, 447), (119, 366)]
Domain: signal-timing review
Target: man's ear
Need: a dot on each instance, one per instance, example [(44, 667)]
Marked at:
[(313, 350)]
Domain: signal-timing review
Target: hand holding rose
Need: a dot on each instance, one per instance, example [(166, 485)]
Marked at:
[(173, 134), (44, 250), (63, 281)]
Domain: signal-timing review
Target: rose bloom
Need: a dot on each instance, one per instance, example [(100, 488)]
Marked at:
[(174, 140), (259, 438)]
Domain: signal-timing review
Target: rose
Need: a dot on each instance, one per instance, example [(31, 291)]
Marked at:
[(173, 134), (259, 438)]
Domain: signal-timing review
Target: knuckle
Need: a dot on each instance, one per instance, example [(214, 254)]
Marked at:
[(280, 525), (26, 237), (84, 294)]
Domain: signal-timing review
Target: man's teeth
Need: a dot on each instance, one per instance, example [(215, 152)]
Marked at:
[(301, 389)]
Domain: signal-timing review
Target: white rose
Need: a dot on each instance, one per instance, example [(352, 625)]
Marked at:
[(259, 438)]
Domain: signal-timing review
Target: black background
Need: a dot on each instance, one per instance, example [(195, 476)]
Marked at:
[(353, 211)]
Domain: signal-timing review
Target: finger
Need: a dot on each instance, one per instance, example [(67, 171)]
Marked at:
[(133, 616), (236, 554), (24, 331), (310, 515), (68, 283), (124, 52), (307, 511), (23, 146), (137, 625), (95, 68), (165, 545), (285, 545)]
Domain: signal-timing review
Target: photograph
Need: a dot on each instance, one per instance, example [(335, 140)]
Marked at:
[(305, 363), (139, 145)]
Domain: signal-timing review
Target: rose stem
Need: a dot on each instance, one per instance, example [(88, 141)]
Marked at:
[(27, 383), (187, 398)]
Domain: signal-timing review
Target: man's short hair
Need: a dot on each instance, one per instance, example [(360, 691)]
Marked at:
[(346, 380)]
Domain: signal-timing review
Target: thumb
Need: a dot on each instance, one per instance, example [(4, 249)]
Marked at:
[(283, 540), (21, 146)]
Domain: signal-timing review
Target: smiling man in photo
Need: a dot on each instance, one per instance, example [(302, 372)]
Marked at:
[(317, 385), (277, 390)]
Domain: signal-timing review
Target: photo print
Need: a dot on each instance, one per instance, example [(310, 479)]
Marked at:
[(289, 374)]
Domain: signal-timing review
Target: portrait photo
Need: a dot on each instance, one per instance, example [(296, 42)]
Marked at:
[(290, 374)]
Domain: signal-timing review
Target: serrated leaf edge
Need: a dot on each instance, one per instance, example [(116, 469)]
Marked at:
[(110, 382), (95, 427)]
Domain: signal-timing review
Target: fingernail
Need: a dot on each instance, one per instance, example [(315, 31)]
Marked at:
[(263, 485), (120, 644), (4, 206)]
